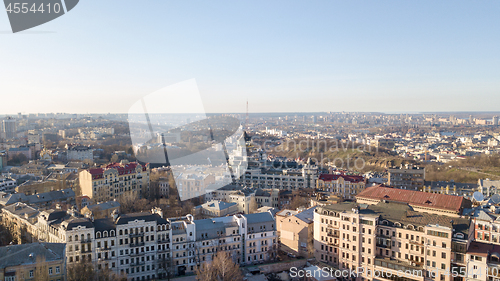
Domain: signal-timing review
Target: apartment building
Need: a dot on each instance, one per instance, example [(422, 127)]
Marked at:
[(216, 209), (484, 261), (387, 237), (407, 177), (248, 199), (79, 152), (296, 230), (113, 180), (34, 261), (283, 179), (130, 244), (145, 246), (343, 186), (434, 203), (190, 185)]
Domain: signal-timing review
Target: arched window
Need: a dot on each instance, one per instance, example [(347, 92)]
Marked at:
[(121, 232), (76, 237), (104, 233), (82, 237), (112, 233), (88, 236), (98, 235)]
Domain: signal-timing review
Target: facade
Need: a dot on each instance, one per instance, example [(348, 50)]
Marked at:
[(9, 128), (488, 187), (164, 186), (388, 237), (79, 152), (35, 261), (101, 210), (344, 186), (144, 246), (7, 184), (296, 231), (216, 209), (113, 180), (282, 179), (408, 177), (192, 185)]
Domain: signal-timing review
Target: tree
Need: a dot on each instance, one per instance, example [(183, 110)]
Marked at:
[(252, 207), (84, 271), (297, 202), (221, 268)]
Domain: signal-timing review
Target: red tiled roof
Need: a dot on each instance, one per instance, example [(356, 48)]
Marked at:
[(331, 177), (412, 197), (122, 169)]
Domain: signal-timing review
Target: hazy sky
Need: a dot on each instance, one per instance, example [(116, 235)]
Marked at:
[(280, 55)]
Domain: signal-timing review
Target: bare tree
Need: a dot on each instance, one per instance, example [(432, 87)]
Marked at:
[(84, 271), (222, 268)]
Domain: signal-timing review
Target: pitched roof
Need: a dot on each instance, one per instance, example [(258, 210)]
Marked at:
[(412, 197), (349, 178), (27, 253)]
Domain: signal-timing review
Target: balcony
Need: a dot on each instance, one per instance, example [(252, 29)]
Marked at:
[(416, 243), (388, 246), (138, 244), (163, 240), (131, 235), (137, 254), (85, 241), (163, 250), (333, 234)]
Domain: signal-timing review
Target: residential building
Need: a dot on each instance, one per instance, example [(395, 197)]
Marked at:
[(296, 230), (344, 186), (216, 209), (101, 210), (390, 236), (144, 245), (79, 152), (7, 184), (488, 187), (9, 129), (34, 261), (407, 177), (113, 180)]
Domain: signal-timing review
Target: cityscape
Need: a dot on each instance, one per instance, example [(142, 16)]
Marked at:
[(249, 140), (297, 193)]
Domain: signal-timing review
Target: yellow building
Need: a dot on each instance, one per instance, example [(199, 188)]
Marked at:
[(35, 261), (296, 231), (113, 180)]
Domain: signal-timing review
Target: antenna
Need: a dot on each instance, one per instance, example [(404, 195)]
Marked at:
[(246, 120)]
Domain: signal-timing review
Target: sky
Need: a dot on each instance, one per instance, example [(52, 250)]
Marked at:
[(281, 56)]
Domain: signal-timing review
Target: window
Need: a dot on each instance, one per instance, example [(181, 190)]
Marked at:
[(50, 270), (31, 272), (58, 270)]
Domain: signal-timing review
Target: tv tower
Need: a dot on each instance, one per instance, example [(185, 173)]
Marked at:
[(246, 120)]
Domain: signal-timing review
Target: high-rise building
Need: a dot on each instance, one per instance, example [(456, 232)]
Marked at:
[(495, 120), (9, 127)]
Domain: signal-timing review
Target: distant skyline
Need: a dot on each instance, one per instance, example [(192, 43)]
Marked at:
[(281, 56)]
